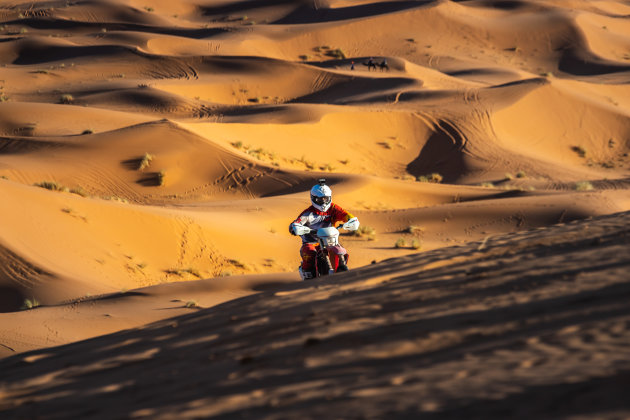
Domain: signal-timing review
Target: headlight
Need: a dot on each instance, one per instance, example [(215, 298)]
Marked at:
[(331, 241)]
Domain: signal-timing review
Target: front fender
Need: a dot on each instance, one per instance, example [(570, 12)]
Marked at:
[(337, 249)]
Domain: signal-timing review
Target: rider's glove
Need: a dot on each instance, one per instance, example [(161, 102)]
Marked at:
[(298, 229), (352, 224)]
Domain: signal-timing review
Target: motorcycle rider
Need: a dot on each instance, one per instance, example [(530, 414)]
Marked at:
[(322, 213)]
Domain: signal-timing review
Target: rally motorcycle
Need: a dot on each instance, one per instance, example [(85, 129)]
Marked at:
[(331, 256)]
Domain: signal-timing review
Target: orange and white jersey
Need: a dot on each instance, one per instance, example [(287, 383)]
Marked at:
[(315, 219)]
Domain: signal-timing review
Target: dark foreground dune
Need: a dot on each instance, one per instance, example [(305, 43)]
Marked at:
[(528, 325)]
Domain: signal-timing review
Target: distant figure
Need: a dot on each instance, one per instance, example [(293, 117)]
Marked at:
[(352, 65), (384, 65), (370, 64)]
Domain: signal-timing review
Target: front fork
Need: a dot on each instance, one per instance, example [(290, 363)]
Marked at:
[(334, 259)]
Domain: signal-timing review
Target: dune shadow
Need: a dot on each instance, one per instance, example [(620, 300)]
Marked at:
[(38, 53), (310, 13), (11, 299), (263, 342), (442, 153), (357, 87), (506, 5), (49, 23), (581, 63), (151, 179)]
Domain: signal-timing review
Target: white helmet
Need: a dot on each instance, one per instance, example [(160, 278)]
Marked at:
[(321, 196)]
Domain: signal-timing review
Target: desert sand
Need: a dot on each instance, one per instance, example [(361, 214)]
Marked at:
[(153, 154)]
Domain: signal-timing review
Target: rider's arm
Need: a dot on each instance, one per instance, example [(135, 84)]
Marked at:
[(340, 215), (302, 220)]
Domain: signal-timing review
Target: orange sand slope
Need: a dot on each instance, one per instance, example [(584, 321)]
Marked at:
[(525, 325), (152, 155), (147, 144)]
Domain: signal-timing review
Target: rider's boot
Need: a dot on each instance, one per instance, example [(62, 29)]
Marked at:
[(306, 274)]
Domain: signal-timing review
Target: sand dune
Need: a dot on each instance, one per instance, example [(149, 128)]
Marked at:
[(521, 325), (153, 155)]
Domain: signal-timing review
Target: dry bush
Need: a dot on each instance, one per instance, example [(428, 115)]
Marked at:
[(66, 98), (415, 230), (365, 231), (52, 185), (145, 161), (583, 186), (579, 150), (29, 304), (434, 178)]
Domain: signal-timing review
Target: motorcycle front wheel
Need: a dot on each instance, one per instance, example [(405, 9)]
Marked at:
[(323, 265)]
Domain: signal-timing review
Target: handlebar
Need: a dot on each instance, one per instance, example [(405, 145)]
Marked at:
[(314, 231)]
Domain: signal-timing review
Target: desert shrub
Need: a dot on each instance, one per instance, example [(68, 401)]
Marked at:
[(192, 304), (414, 230), (66, 98), (237, 144), (161, 178), (116, 198), (583, 186), (88, 131), (434, 177), (79, 191), (182, 271), (509, 176), (309, 164), (145, 161), (365, 231), (238, 264), (579, 150), (51, 185), (416, 244), (400, 243), (303, 57), (30, 304), (521, 174), (336, 53)]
